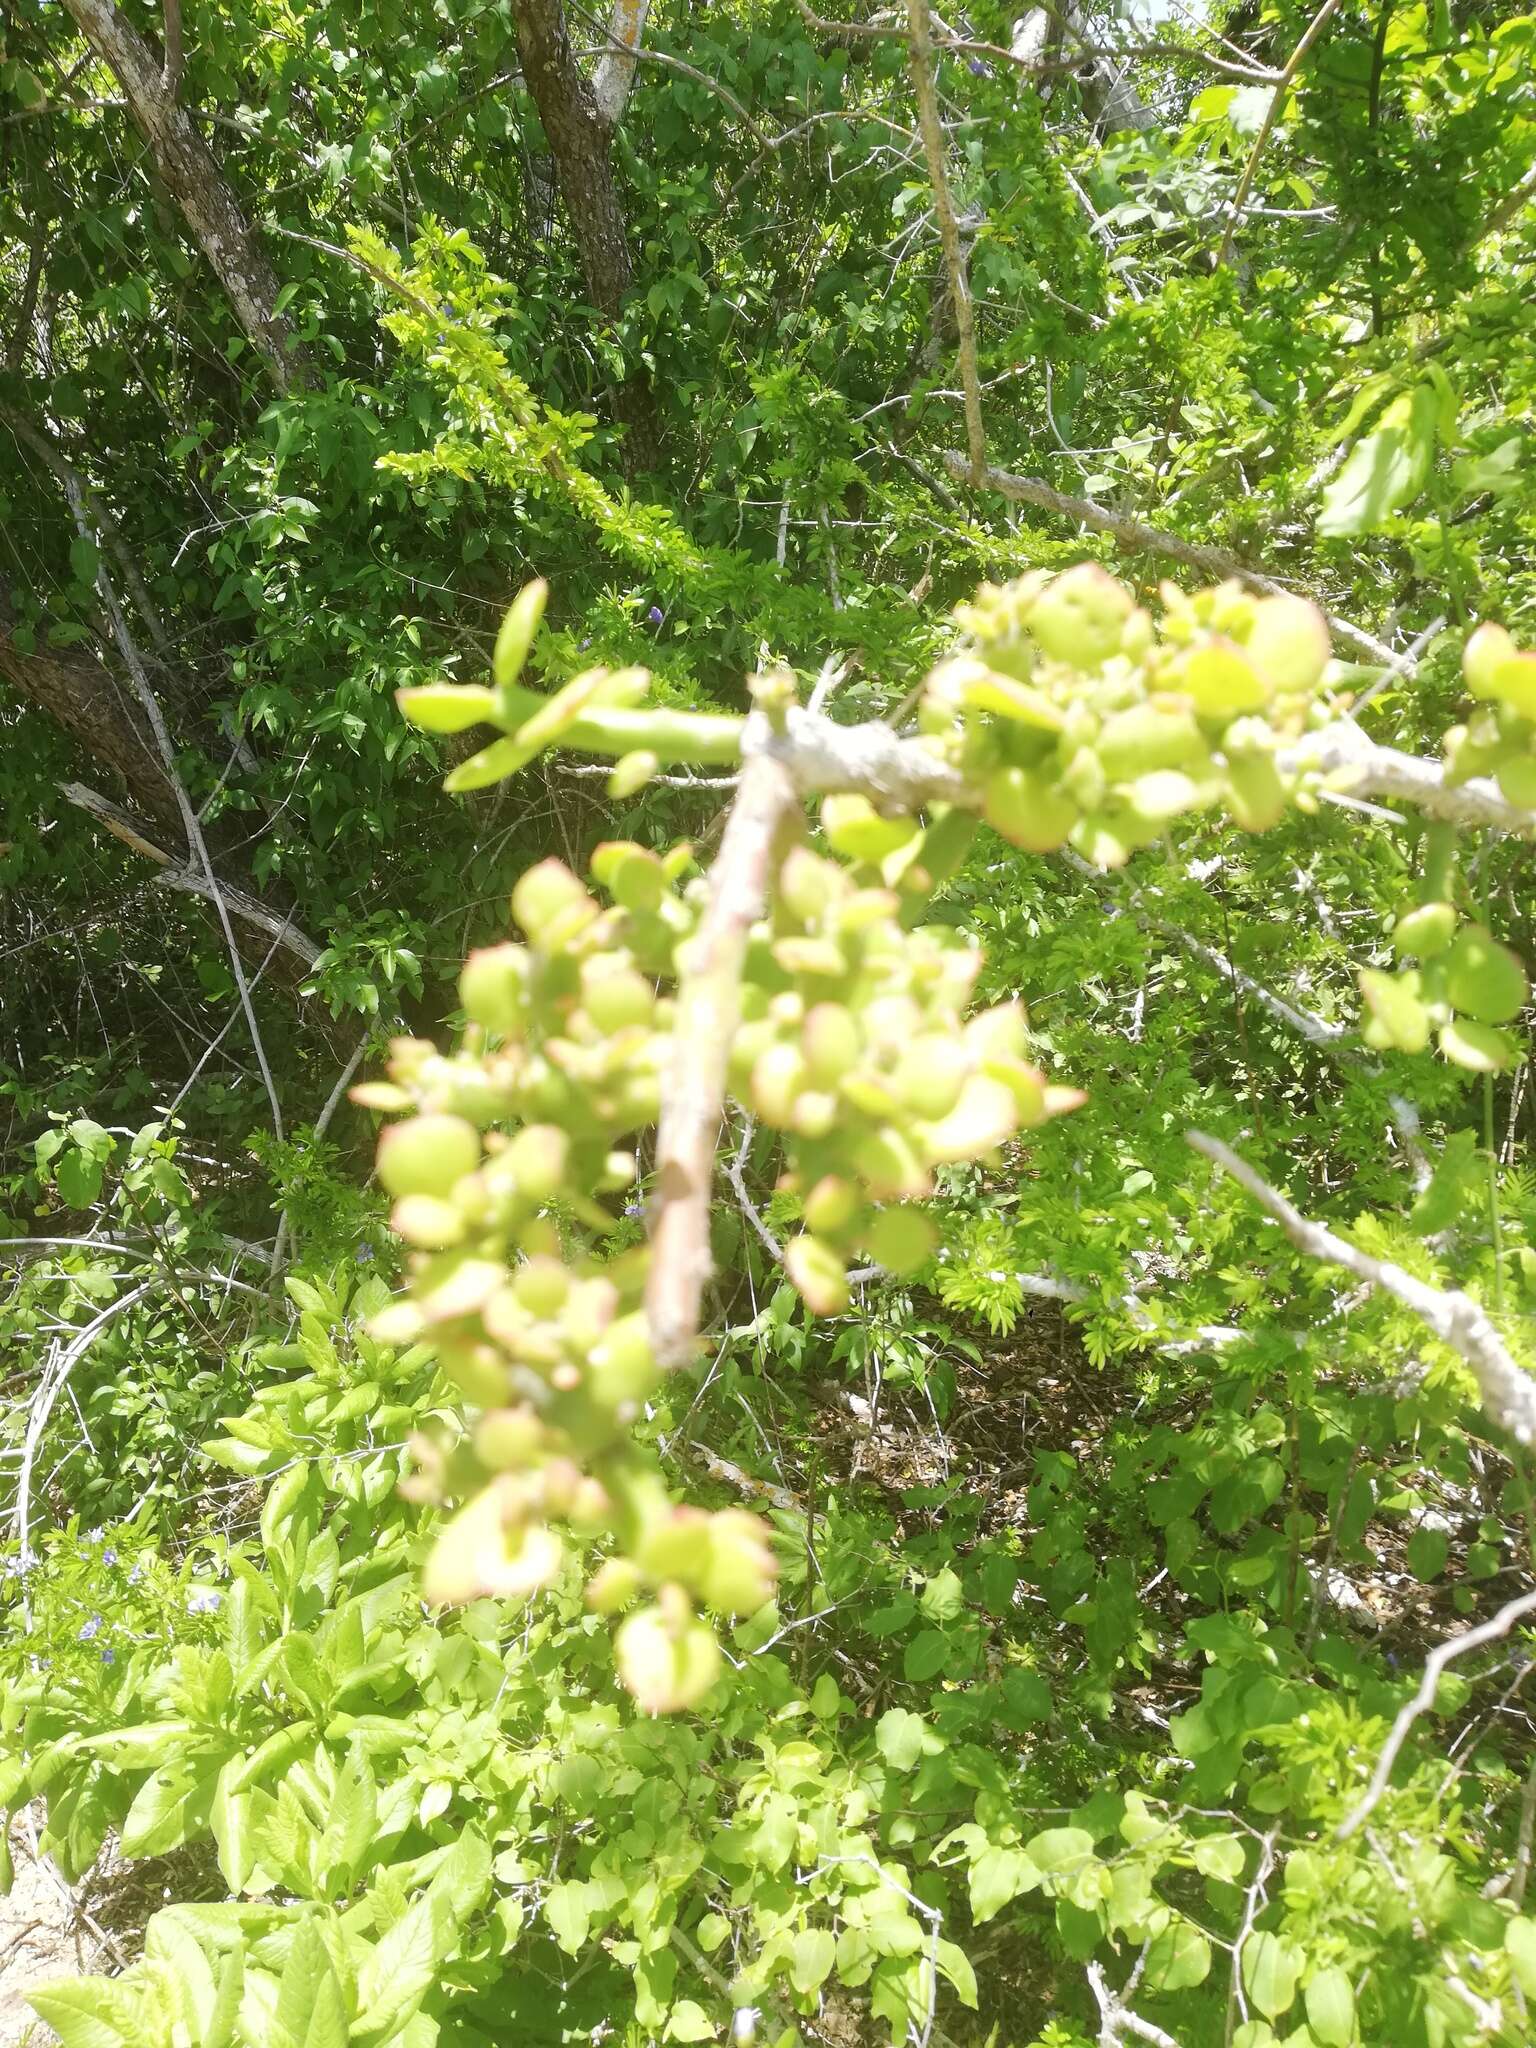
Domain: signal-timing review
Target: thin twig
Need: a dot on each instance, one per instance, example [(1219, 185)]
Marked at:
[(197, 845), (49, 1388), (1235, 2000), (735, 1173), (1313, 30), (1135, 533), (1423, 1699)]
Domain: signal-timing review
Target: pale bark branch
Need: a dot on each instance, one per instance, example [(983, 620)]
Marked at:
[(1506, 1389), (1116, 2018), (920, 57), (1373, 770), (823, 758), (62, 1362), (1489, 1631), (708, 1012), (614, 79)]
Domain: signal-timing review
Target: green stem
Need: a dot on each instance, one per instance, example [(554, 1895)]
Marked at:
[(696, 738)]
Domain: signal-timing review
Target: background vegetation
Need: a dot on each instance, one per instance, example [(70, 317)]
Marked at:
[(1112, 1541)]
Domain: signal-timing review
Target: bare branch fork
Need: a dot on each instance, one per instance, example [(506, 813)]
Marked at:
[(1116, 2019), (1507, 1390)]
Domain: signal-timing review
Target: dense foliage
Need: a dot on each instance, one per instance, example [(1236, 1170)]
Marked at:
[(1074, 1593)]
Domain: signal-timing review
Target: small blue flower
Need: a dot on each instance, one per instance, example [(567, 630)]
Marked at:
[(634, 1208), (202, 1600), (978, 69), (91, 1628), (95, 1535), (588, 641), (364, 1253), (109, 1557), (656, 615), (135, 1575), (109, 1656)]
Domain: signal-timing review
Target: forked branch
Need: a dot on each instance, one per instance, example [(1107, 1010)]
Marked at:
[(1490, 1631)]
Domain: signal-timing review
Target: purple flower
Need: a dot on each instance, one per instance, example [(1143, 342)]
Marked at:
[(202, 1600), (109, 1557), (91, 1628), (109, 1656), (588, 641), (135, 1575), (363, 1254), (978, 69), (656, 615)]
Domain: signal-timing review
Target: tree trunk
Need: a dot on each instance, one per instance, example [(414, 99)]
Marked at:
[(84, 697), (199, 188), (580, 143), (78, 692)]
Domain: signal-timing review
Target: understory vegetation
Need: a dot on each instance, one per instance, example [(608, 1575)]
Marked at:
[(767, 1210)]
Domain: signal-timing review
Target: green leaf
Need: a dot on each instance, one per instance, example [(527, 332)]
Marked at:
[(78, 1179), (998, 1876), (569, 1908), (447, 707), (1483, 977), (399, 1969), (139, 1749), (955, 1964), (1177, 1959), (943, 1598), (689, 2022), (1059, 1849), (1330, 2002), (1026, 1698), (1385, 471), (899, 1737), (1272, 1967), (925, 1656), (775, 1835), (171, 1807), (1427, 1552), (1219, 1856), (1520, 1945), (1398, 1018), (90, 2012), (84, 559), (811, 1958), (1478, 1046)]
